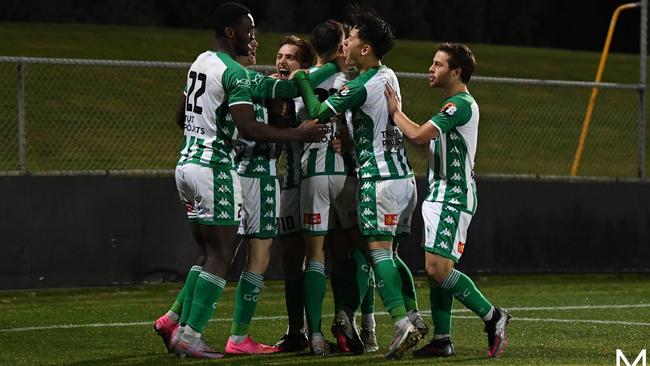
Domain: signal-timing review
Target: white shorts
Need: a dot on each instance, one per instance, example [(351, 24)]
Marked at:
[(212, 196), (326, 200), (261, 207), (445, 229), (386, 206), (288, 221)]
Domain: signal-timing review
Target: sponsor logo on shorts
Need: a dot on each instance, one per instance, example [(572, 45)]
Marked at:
[(312, 219), (390, 219), (189, 207), (461, 247)]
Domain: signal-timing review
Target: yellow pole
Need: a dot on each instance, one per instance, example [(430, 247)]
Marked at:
[(594, 91)]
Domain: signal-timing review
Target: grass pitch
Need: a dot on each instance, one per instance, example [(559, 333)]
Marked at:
[(557, 320)]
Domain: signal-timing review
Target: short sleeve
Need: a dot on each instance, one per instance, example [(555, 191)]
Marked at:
[(237, 86), (351, 95), (454, 113)]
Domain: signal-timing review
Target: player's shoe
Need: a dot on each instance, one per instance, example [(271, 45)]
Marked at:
[(196, 349), (496, 332), (405, 338), (418, 322), (347, 337), (319, 346), (292, 342), (436, 348), (176, 335), (165, 326), (249, 347), (369, 339)]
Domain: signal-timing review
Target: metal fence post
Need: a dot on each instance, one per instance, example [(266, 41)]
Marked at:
[(21, 117), (642, 81)]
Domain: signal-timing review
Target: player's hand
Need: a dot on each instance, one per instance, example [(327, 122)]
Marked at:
[(293, 73), (312, 131), (391, 98)]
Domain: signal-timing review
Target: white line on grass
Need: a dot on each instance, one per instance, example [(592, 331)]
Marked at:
[(102, 325)]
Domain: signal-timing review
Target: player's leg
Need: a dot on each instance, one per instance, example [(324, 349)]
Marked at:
[(293, 264), (380, 205), (258, 225), (442, 251), (218, 212)]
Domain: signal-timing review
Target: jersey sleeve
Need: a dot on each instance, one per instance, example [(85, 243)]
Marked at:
[(352, 95), (237, 85), (454, 113)]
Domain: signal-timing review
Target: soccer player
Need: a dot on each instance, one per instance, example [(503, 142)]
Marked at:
[(451, 198), (294, 53), (257, 169), (326, 198), (218, 105), (386, 195)]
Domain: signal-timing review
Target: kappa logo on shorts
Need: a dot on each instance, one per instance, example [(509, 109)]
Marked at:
[(366, 185), (223, 175), (366, 175), (456, 176), (223, 215), (442, 245), (312, 219), (451, 209), (367, 212), (461, 247), (449, 220), (446, 232), (456, 163), (455, 150), (223, 189), (223, 202), (268, 188), (260, 169), (269, 227), (269, 214), (457, 189), (270, 200), (454, 201), (453, 136), (365, 198), (390, 219)]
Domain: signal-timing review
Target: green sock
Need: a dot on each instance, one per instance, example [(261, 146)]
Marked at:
[(388, 282), (466, 292), (441, 301), (339, 285), (246, 297), (408, 285), (294, 297), (361, 285), (184, 298), (207, 291), (368, 302), (314, 278)]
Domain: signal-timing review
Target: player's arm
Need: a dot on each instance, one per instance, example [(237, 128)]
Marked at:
[(350, 96), (180, 113), (419, 134), (249, 129), (288, 89)]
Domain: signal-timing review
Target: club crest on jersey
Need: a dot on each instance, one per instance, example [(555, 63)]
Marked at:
[(390, 219), (461, 247), (312, 219), (449, 109)]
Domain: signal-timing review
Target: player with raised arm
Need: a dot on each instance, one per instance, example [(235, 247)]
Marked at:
[(387, 195), (218, 106), (450, 203)]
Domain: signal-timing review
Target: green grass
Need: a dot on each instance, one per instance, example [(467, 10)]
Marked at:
[(545, 329), (92, 117)]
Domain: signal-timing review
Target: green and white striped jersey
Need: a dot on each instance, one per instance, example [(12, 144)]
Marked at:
[(379, 143), (451, 155), (318, 158), (215, 82), (256, 159)]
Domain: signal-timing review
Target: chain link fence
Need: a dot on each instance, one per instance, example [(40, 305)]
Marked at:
[(62, 116)]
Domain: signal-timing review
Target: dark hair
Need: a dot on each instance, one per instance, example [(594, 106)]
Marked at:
[(459, 56), (326, 37), (373, 30), (305, 52), (228, 15)]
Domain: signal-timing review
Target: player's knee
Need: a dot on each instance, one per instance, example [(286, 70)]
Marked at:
[(436, 271)]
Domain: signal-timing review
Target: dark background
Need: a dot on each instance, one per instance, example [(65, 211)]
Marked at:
[(571, 24)]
